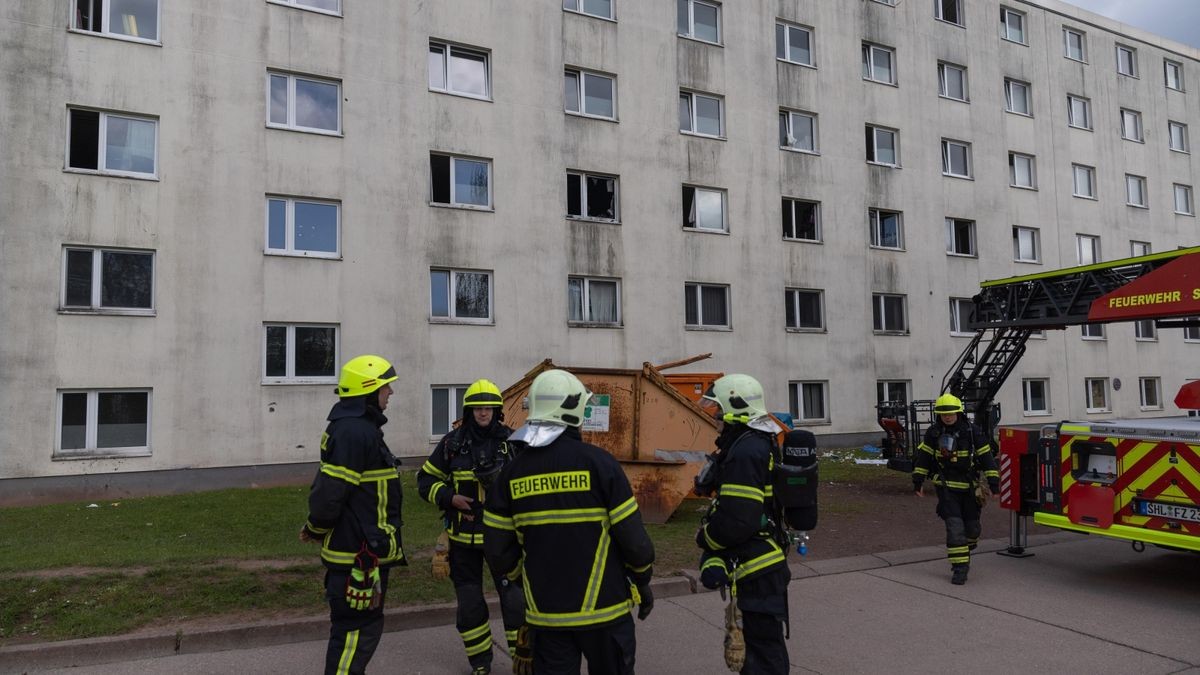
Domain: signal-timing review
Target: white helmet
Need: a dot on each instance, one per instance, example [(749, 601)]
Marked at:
[(557, 397), (740, 397)]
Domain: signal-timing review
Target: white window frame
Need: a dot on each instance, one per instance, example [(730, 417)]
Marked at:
[(1183, 146), (95, 307), (796, 396), (1067, 33), (691, 27), (875, 228), (884, 389), (1007, 14), (939, 12), (1093, 332), (788, 27), (1174, 83), (1155, 386), (92, 426), (1139, 200), (879, 305), (1087, 249), (948, 159), (1027, 397), (1138, 248), (1192, 333), (1011, 86), (889, 3), (291, 124), (290, 376), (454, 203), (585, 293), (1074, 123), (1131, 125), (581, 76), (1013, 180), (102, 144), (448, 50), (1133, 64), (580, 7), (1144, 330), (1090, 173), (724, 229), (952, 238), (1185, 191), (691, 96), (583, 197), (944, 68), (868, 56), (792, 299), (958, 320), (453, 393), (693, 292), (301, 4), (788, 117), (106, 24), (1034, 240), (1090, 403), (874, 150), (791, 203), (289, 225), (451, 291)]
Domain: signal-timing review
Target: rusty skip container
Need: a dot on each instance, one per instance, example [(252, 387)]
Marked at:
[(659, 436)]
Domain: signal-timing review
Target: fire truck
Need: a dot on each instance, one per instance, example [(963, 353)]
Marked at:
[(1131, 479)]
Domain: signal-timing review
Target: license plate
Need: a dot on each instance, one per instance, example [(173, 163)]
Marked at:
[(1171, 511)]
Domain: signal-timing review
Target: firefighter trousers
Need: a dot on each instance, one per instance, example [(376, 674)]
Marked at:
[(472, 621), (763, 602), (961, 513), (353, 634), (609, 650)]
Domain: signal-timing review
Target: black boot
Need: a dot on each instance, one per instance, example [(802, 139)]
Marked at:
[(959, 576)]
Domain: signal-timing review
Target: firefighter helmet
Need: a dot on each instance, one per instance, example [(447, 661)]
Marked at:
[(739, 396), (364, 374), (558, 397), (948, 404), (483, 393)]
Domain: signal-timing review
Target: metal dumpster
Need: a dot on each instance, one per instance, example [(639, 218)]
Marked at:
[(658, 435)]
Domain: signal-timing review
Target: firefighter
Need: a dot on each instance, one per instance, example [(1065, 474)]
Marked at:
[(562, 516), (354, 512), (455, 478), (953, 454), (742, 533)]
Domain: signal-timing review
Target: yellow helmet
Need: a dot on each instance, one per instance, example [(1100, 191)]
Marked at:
[(947, 404), (558, 397), (739, 396), (364, 374), (483, 393)]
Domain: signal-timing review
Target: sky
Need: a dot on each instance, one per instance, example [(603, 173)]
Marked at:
[(1177, 20)]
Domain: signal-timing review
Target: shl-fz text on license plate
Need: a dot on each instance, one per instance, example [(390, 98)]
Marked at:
[(1172, 511)]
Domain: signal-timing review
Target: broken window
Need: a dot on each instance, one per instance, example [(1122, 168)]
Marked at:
[(591, 196)]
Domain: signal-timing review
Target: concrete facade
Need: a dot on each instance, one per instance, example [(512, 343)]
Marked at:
[(201, 354)]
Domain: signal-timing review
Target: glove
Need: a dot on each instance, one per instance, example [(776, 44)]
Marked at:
[(644, 599), (440, 562), (994, 486), (522, 657), (362, 586), (714, 577)]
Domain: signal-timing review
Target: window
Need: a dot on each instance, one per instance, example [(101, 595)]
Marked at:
[(1035, 398), (594, 301), (460, 296), (600, 8), (1097, 394), (1192, 333), (1135, 190), (1139, 248), (893, 391), (883, 146), (459, 70), (956, 159), (1127, 61), (460, 181), (1087, 249), (446, 402), (592, 197), (952, 81), (108, 280), (1016, 97), (706, 306), (103, 423), (1183, 200), (793, 43), (303, 227), (801, 220), (112, 143), (949, 11), (701, 115), (1145, 330), (808, 401), (961, 310), (327, 6), (886, 2), (699, 20), (803, 309), (1074, 45), (303, 103), (887, 230), (1025, 244), (797, 131), (1022, 171), (1079, 112), (704, 209), (1131, 125), (590, 94), (888, 313), (1173, 71), (299, 354), (136, 19), (877, 63), (1083, 181), (1177, 132), (1149, 388), (1012, 25), (1092, 331), (960, 237)]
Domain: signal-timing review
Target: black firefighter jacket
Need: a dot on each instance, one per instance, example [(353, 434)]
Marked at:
[(450, 470), (956, 467)]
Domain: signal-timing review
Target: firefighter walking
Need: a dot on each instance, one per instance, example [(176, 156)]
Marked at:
[(455, 478), (952, 455), (562, 516), (354, 512)]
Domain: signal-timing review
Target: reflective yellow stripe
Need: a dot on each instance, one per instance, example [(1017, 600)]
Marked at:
[(592, 593), (628, 508), (1075, 429), (926, 448), (987, 448), (337, 557), (775, 555), (713, 562), (463, 475), (379, 474), (991, 473), (432, 470), (560, 517), (956, 549), (920, 471), (475, 632), (341, 472), (317, 530), (490, 519), (434, 489), (348, 650), (485, 644), (955, 484), (465, 538), (643, 568), (769, 491), (570, 619), (744, 491), (709, 540)]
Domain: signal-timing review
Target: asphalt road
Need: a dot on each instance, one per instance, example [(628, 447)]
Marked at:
[(1079, 605)]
